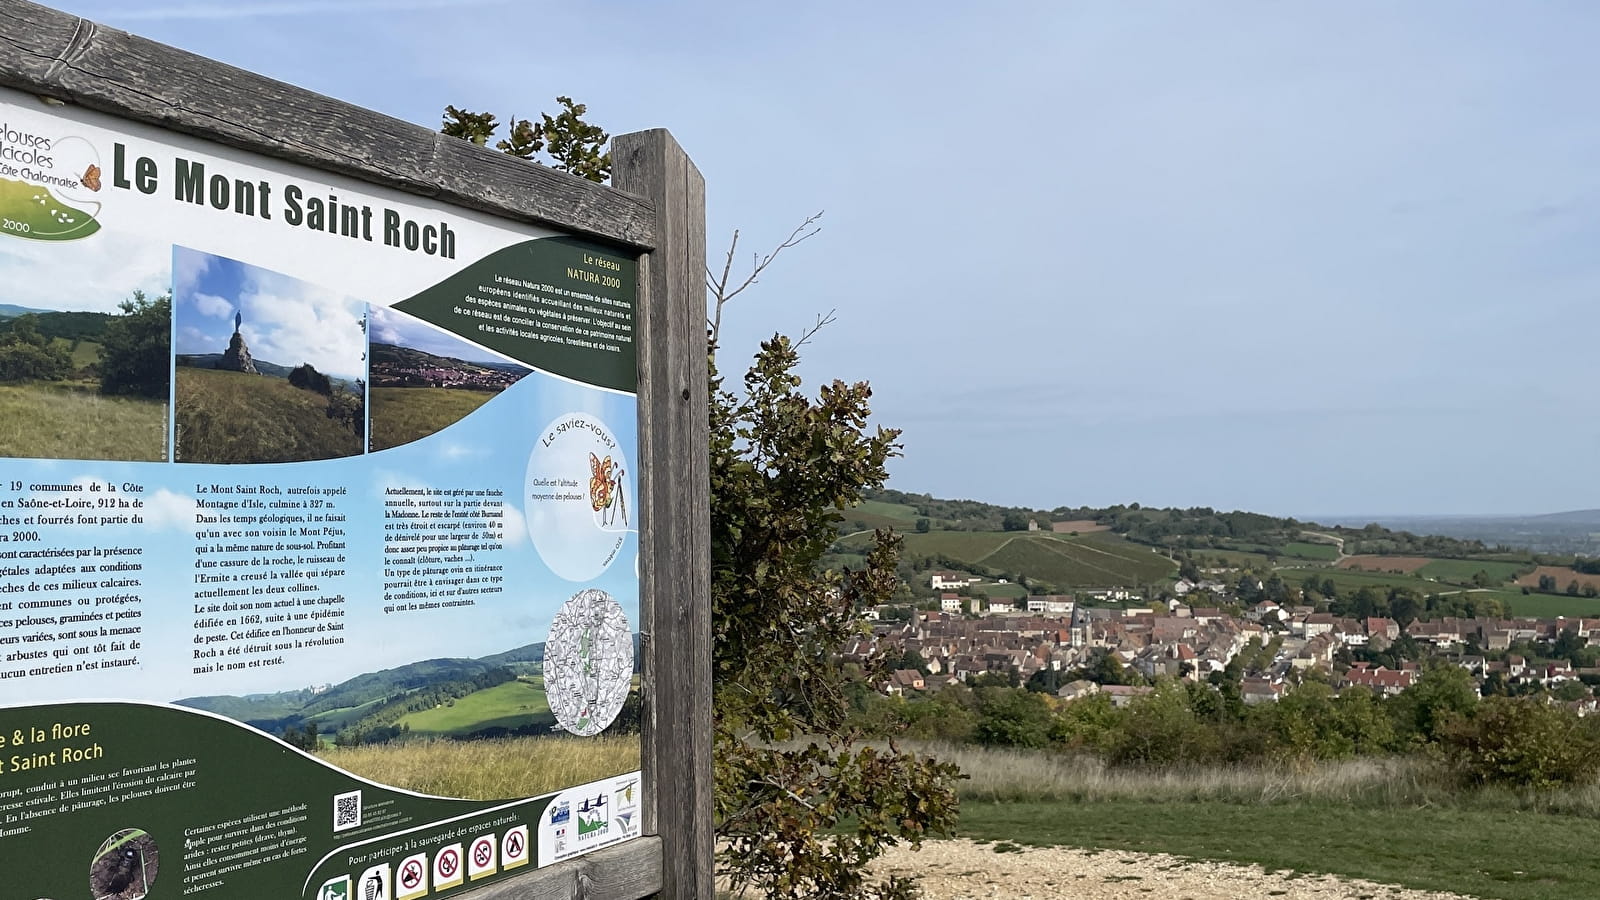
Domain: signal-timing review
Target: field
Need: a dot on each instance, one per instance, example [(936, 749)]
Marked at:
[(1309, 550), (231, 417), (966, 545), (1462, 570), (1081, 526), (1097, 561), (1235, 558), (86, 353), (1549, 606), (878, 514), (1405, 564), (1429, 848), (490, 770), (401, 415), (508, 705), (71, 420), (1563, 576), (1391, 820), (1001, 591), (1348, 581)]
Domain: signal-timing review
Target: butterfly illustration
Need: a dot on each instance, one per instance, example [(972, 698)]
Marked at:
[(599, 482), (91, 177)]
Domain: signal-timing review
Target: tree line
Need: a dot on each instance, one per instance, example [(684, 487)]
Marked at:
[(1528, 741)]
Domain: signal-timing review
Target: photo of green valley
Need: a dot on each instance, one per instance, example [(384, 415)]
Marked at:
[(472, 728)]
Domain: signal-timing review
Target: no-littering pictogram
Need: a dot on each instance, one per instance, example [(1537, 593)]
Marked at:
[(481, 858)]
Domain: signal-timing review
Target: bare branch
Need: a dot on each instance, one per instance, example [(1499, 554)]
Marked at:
[(823, 321), (719, 288)]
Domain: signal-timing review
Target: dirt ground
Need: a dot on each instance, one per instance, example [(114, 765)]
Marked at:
[(1081, 526), (963, 870), (1406, 564)]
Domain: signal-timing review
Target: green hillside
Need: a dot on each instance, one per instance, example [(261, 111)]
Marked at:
[(401, 415), (510, 705), (1461, 571), (1099, 560), (232, 417)]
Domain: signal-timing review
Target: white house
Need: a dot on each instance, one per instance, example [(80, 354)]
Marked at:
[(950, 581)]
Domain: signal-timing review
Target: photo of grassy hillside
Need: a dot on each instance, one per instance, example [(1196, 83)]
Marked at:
[(232, 417), (85, 385)]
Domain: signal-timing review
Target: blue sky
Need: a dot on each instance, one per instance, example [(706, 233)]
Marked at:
[(285, 320), (1298, 258), (401, 330)]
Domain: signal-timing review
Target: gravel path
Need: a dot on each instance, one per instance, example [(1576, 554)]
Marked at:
[(964, 870)]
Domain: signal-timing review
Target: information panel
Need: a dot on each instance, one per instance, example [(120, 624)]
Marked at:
[(318, 527)]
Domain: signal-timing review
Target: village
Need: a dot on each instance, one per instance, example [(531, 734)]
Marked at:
[(1276, 645)]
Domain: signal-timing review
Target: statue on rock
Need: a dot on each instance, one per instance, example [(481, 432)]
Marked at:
[(237, 359)]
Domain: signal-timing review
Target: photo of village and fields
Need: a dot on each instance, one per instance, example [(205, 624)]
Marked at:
[(424, 379)]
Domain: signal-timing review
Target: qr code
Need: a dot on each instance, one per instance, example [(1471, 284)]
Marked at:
[(346, 811)]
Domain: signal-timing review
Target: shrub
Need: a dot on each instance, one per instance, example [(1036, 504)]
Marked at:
[(306, 377), (1522, 743)]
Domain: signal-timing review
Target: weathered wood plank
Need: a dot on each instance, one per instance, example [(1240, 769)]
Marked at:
[(47, 52), (675, 542), (625, 872)]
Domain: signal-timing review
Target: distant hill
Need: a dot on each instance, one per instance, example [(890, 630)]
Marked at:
[(270, 369), (392, 354), (9, 310), (71, 326), (275, 712), (1575, 531)]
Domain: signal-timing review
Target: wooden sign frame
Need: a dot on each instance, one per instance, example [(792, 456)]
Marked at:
[(655, 209)]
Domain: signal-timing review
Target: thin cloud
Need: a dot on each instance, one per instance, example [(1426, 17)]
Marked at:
[(200, 11)]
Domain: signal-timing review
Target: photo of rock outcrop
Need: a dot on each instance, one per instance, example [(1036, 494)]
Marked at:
[(268, 367)]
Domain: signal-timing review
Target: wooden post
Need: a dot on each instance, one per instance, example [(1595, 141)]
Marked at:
[(675, 536)]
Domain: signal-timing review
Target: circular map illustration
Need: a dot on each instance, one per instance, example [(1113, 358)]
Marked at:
[(579, 497), (588, 662)]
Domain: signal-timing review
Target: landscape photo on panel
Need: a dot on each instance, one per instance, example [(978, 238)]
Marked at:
[(268, 368), (424, 378), (85, 367)]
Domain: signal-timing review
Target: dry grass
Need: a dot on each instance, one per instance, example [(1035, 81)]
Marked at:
[(1080, 526), (1564, 575), (71, 420), (1398, 782), (1009, 775), (491, 770), (1403, 564)]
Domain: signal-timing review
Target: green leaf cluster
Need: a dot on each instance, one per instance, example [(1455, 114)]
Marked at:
[(136, 349), (801, 809)]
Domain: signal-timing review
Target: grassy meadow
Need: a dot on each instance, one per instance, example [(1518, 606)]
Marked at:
[(1098, 559), (232, 417), (401, 415), (508, 705), (493, 769), (1393, 820), (1461, 571), (1548, 606), (72, 420)]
